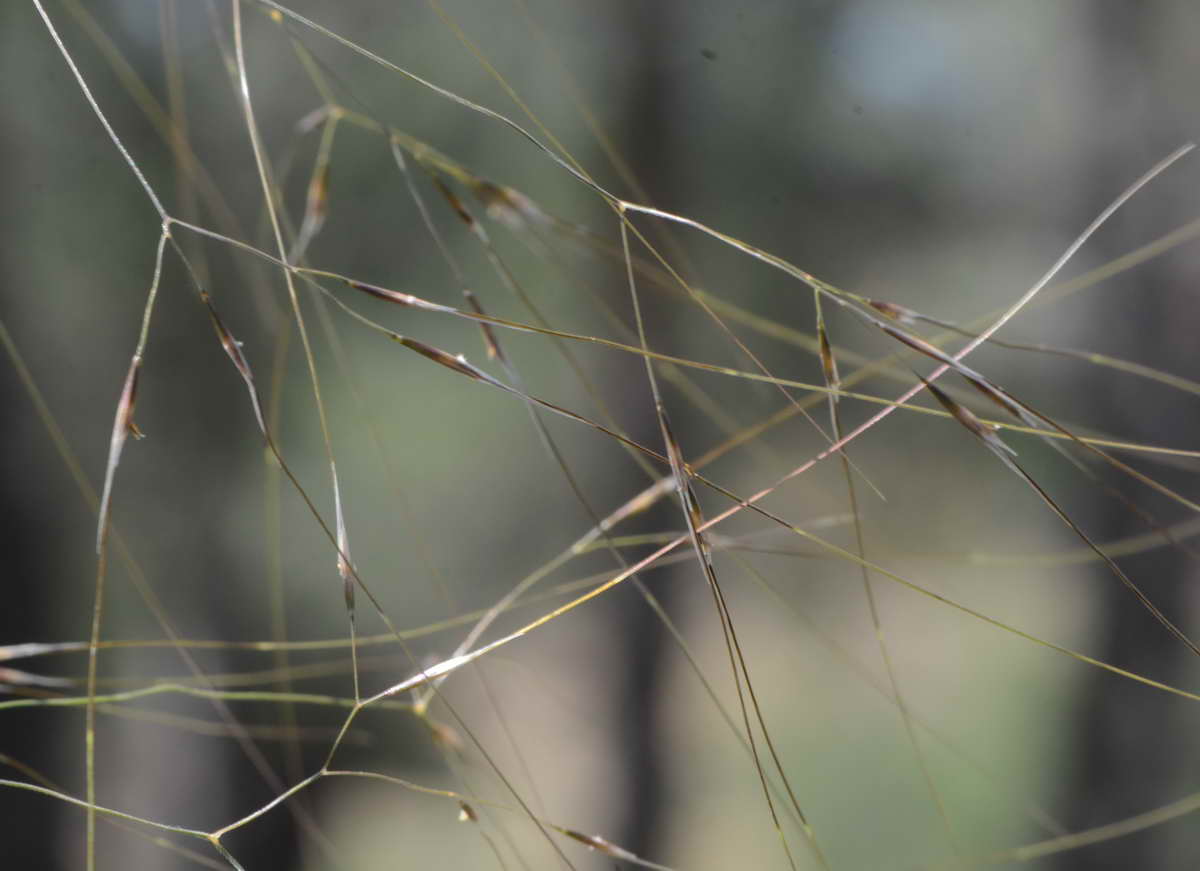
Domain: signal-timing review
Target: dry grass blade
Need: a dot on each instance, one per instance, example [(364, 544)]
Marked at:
[(695, 521), (509, 280), (158, 840), (463, 658), (87, 93), (452, 664), (1006, 455), (123, 427), (364, 189), (233, 349), (316, 208), (1074, 840), (409, 300), (829, 368), (737, 662), (601, 528), (1056, 431), (458, 363), (1034, 418), (1009, 403)]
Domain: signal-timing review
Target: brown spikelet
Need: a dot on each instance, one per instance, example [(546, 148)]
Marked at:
[(312, 120), (508, 206), (598, 844), (129, 399), (233, 348), (123, 427), (455, 203), (383, 293), (984, 431), (15, 677), (1002, 451), (997, 396), (457, 363), (683, 484), (489, 338), (898, 313), (828, 362), (973, 378), (343, 546), (918, 344), (466, 813), (317, 206), (444, 736)]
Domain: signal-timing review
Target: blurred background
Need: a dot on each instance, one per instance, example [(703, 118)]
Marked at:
[(939, 156)]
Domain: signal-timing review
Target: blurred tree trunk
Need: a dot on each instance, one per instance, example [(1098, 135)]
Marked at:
[(645, 144), (25, 617), (1131, 748)]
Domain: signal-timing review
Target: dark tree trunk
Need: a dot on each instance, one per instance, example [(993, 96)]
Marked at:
[(1131, 751), (647, 646)]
